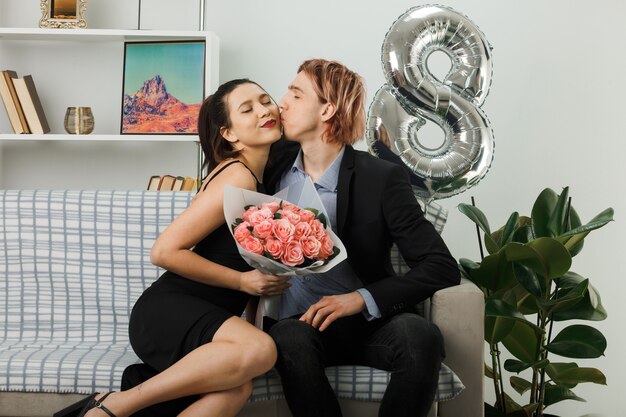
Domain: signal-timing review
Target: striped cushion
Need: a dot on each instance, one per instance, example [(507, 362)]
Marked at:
[(74, 263)]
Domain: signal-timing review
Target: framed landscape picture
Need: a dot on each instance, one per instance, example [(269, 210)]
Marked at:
[(163, 87)]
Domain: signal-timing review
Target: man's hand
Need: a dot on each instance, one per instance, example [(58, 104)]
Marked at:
[(321, 314)]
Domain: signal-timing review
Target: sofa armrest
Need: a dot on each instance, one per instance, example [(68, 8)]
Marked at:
[(459, 313)]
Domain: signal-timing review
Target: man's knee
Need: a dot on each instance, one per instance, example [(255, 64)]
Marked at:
[(417, 336), (297, 342), (292, 334)]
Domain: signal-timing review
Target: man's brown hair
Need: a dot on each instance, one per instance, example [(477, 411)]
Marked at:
[(335, 83)]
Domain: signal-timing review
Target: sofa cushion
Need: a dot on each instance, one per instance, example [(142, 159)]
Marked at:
[(74, 264)]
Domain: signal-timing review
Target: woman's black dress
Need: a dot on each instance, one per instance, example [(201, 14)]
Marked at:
[(175, 315)]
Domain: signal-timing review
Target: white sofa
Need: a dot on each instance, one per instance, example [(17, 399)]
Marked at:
[(72, 263)]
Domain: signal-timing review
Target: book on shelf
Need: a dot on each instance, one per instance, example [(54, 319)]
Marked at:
[(171, 183), (189, 184), (12, 102), (178, 184), (29, 99), (153, 183), (166, 183)]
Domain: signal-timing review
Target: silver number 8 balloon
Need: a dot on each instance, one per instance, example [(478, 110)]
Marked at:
[(413, 95)]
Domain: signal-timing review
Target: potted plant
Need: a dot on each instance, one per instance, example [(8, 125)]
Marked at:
[(528, 286)]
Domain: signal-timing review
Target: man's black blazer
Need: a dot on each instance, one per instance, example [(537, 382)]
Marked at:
[(376, 208)]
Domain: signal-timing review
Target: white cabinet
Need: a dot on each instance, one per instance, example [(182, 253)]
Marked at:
[(84, 67)]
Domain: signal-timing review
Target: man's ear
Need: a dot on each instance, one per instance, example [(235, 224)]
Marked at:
[(328, 111)]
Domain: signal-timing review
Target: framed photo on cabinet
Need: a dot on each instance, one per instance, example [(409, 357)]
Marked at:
[(63, 14), (163, 87)]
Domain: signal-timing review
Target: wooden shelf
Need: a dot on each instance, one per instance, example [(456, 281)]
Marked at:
[(99, 138)]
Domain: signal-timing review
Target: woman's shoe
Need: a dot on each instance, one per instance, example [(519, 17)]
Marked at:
[(93, 403)]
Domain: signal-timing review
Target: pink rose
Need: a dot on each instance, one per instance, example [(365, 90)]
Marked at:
[(267, 212), (286, 205), (302, 230), (263, 229), (310, 246), (306, 215), (292, 216), (258, 216), (248, 212), (283, 230), (274, 247), (273, 206), (317, 229), (327, 247), (293, 254), (241, 232), (252, 244)]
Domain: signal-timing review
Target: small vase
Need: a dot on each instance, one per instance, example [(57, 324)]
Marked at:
[(79, 120)]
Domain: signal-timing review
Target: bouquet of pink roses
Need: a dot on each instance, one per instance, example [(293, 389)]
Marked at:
[(277, 236), (285, 233)]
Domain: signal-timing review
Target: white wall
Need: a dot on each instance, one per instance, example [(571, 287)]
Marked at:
[(555, 104)]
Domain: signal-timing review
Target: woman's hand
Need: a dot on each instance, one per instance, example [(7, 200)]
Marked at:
[(256, 282)]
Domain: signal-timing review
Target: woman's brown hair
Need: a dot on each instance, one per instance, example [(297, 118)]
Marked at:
[(213, 117)]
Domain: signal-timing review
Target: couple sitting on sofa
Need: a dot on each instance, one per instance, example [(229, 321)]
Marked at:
[(199, 355)]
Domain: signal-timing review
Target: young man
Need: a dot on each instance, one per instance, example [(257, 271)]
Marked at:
[(360, 311)]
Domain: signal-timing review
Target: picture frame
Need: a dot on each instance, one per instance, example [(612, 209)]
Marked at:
[(163, 87), (63, 14)]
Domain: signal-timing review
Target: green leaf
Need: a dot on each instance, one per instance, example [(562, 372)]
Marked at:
[(598, 221), (578, 341), (528, 279), (509, 230), (570, 374), (524, 233), (545, 256), (479, 218), (500, 319), (489, 371), (513, 365), (574, 239), (516, 366), (574, 222), (588, 308), (569, 280), (526, 302), (494, 273), (520, 384), (512, 407), (554, 394), (312, 210), (556, 224), (522, 341), (496, 328), (322, 218), (542, 212), (467, 266), (566, 299)]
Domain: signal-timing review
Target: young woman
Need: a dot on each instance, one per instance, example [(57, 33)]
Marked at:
[(186, 325)]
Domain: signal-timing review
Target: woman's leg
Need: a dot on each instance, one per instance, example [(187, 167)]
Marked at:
[(220, 404), (238, 353)]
